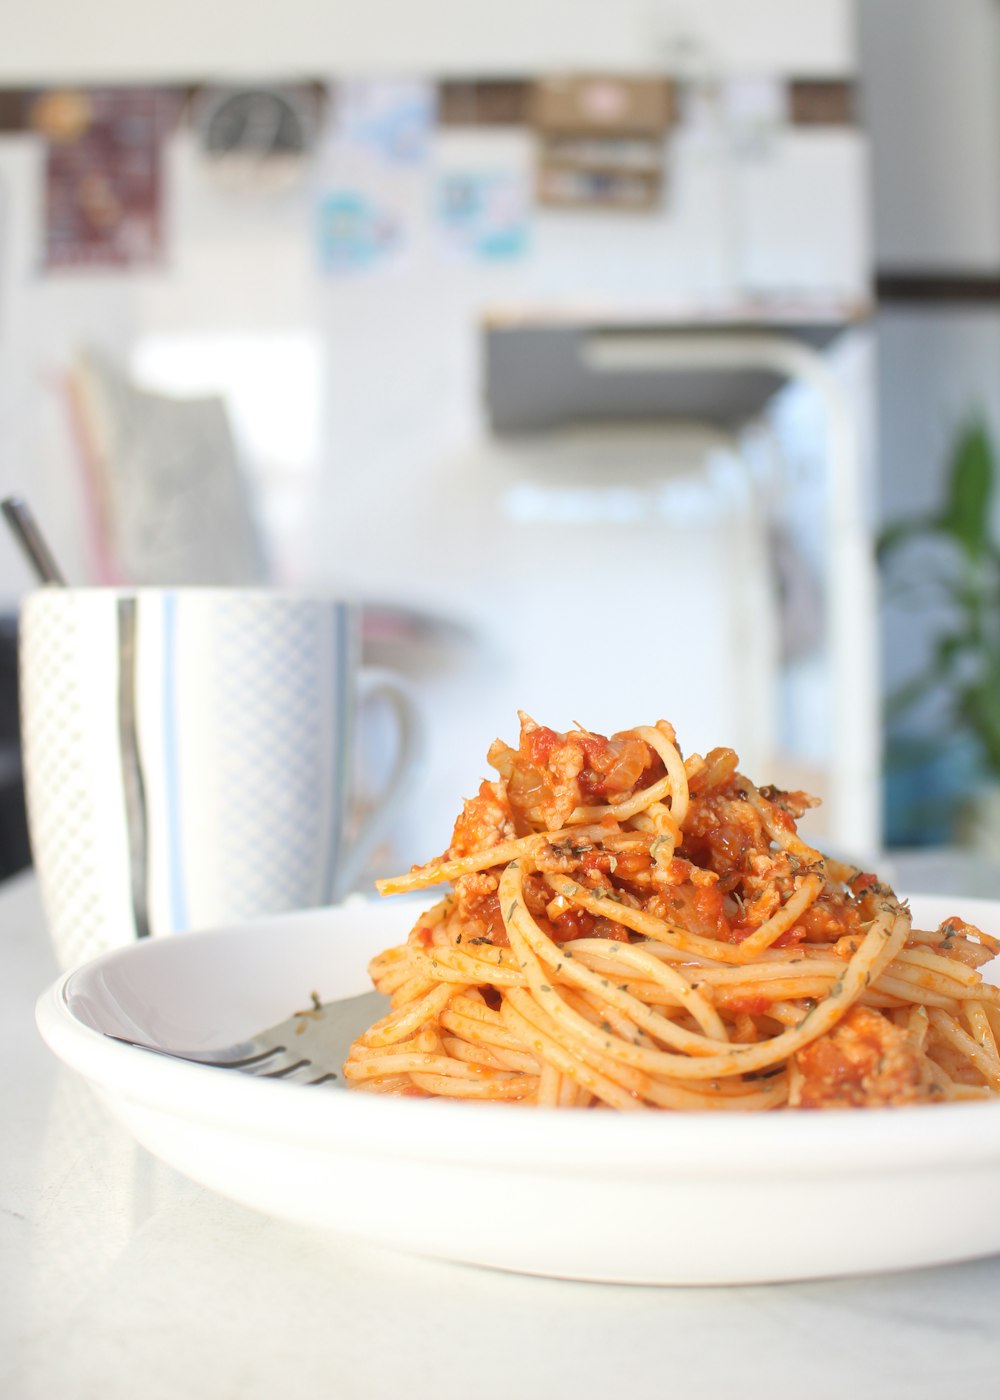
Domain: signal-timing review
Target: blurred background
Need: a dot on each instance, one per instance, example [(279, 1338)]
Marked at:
[(623, 361)]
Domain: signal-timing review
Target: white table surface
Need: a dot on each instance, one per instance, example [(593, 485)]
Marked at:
[(119, 1278)]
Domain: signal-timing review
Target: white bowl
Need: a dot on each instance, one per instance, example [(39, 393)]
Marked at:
[(643, 1198)]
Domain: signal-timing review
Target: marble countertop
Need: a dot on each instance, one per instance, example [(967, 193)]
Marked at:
[(121, 1279)]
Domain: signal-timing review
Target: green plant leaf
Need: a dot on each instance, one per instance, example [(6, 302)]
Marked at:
[(979, 706), (907, 695), (963, 580), (948, 650), (966, 514), (902, 530)]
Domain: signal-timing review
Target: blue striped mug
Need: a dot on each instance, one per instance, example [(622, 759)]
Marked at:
[(189, 757)]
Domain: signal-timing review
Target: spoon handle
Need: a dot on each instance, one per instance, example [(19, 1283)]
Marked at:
[(25, 529)]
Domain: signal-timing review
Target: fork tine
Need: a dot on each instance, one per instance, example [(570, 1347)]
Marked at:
[(285, 1070), (249, 1062), (252, 1064), (275, 1053)]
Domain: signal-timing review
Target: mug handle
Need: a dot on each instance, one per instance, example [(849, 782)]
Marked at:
[(375, 684)]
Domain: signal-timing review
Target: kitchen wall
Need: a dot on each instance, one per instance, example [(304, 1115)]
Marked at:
[(396, 348), (50, 41), (931, 77), (379, 369)]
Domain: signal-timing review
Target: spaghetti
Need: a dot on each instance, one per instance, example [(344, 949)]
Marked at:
[(632, 929)]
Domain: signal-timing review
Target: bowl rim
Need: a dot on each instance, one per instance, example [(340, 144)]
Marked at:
[(678, 1144)]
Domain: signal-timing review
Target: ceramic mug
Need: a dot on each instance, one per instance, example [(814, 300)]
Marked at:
[(189, 755)]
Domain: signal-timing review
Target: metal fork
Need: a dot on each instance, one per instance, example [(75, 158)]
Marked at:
[(309, 1048)]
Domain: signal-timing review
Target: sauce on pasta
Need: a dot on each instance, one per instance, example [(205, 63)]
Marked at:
[(632, 929)]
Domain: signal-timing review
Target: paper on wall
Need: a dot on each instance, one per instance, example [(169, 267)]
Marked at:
[(482, 196), (372, 167), (103, 177)]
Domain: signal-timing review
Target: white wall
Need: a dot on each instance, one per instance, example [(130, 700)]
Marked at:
[(399, 343), (42, 321), (931, 78), (50, 40), (936, 369)]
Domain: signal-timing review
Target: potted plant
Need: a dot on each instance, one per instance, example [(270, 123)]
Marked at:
[(948, 564)]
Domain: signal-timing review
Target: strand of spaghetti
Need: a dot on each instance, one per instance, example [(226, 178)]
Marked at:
[(661, 1093), (993, 1016), (447, 1086), (753, 973), (391, 969), (621, 811), (591, 1052), (397, 1061), (453, 965), (796, 1079), (656, 818), (730, 999), (458, 1049), (477, 1052), (841, 870), (478, 1018), (671, 981), (772, 1093), (425, 1042), (533, 950), (791, 989), (954, 1063), (884, 1001), (481, 1041), (395, 972), (674, 765), (661, 930), (921, 936), (569, 1092), (522, 1016), (944, 967), (789, 914), (907, 991), (389, 1084), (649, 993), (947, 936), (771, 957), (917, 1026), (521, 1061), (599, 1012), (980, 1033), (883, 940), (963, 1092), (674, 784), (941, 1079), (658, 822), (619, 1077), (961, 1041), (633, 1081), (549, 1084), (980, 1028), (931, 982), (402, 1023), (435, 872), (781, 834), (786, 1013), (412, 989)]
